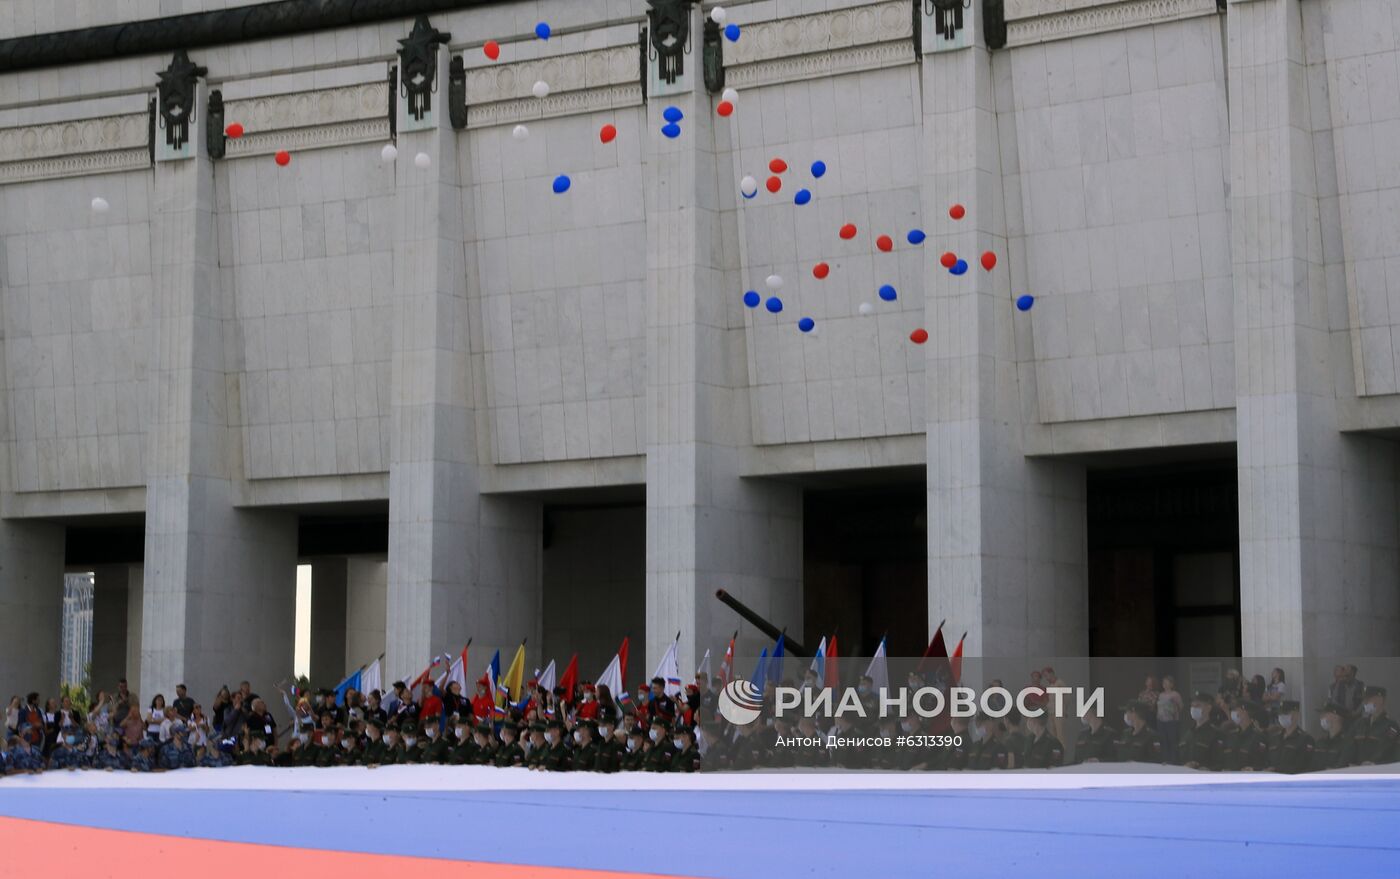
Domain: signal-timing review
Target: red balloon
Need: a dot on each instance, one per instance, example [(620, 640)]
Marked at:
[(948, 260), (774, 184), (989, 260), (821, 270), (777, 166), (885, 243), (492, 49), (848, 231), (283, 157), (608, 133), (234, 131), (919, 336), (957, 212), (725, 108)]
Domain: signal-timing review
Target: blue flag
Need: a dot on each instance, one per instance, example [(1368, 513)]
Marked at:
[(775, 664), (759, 672), (351, 682)]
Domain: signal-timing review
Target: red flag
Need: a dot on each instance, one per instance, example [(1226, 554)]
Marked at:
[(726, 668), (622, 664), (833, 679), (957, 660), (427, 675), (936, 649), (570, 679)]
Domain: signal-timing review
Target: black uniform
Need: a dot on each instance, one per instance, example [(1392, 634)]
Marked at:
[(1375, 739), (1203, 745), (687, 760), (1292, 752), (1142, 746), (1333, 752), (1245, 749), (1092, 745), (990, 753), (509, 754), (1044, 752)]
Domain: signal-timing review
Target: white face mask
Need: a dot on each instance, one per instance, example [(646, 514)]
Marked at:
[(303, 737), (977, 734), (1236, 718), (1326, 725), (1197, 712), (1285, 720), (374, 737), (1127, 719), (347, 744), (908, 726), (656, 735), (605, 732), (430, 732), (679, 743), (631, 744), (1369, 708), (578, 737), (461, 733), (410, 741)]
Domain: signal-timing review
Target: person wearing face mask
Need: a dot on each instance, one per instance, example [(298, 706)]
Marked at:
[(990, 751), (177, 753), (111, 757), (254, 752), (437, 747), (633, 760), (413, 739), (1376, 735), (393, 745), (65, 753), (1014, 738), (330, 751), (954, 755), (687, 757), (509, 753), (586, 751), (609, 750), (1292, 751), (662, 751), (371, 750), (1042, 749), (536, 745), (464, 748), (1138, 742), (1246, 749), (713, 745), (1202, 743), (1095, 743), (1333, 749), (484, 738)]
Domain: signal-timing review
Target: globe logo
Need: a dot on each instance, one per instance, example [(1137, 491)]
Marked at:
[(740, 702)]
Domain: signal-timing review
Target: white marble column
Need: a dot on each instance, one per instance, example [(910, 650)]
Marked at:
[(1006, 534), (1318, 524), (31, 606), (706, 528)]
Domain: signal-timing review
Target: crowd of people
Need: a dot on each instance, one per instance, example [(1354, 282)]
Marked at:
[(1244, 725)]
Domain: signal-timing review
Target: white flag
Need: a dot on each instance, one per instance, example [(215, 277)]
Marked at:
[(612, 677), (819, 662), (704, 665), (879, 670), (669, 669), (546, 678), (372, 678), (455, 672)]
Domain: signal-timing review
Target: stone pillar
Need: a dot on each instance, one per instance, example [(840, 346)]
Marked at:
[(31, 607), (460, 565), (219, 597), (706, 528), (135, 606), (328, 605), (1007, 542), (109, 617), (366, 582), (1318, 523)]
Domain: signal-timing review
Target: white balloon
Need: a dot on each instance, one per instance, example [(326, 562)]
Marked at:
[(423, 160), (730, 95), (99, 205), (520, 132), (718, 15), (541, 89), (774, 282), (389, 153), (867, 309), (748, 186)]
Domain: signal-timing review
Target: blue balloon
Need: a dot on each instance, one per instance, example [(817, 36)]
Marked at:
[(671, 130), (803, 196), (819, 169), (959, 267), (749, 195), (888, 293), (1025, 301), (731, 31), (806, 324), (774, 304), (673, 114), (751, 299), (562, 183), (916, 236), (542, 30)]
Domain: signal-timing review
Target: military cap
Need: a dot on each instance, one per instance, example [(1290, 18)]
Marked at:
[(1373, 691), (408, 726), (484, 727), (663, 723), (1287, 707), (1136, 707), (635, 731), (510, 725), (1257, 711), (537, 727), (590, 725), (1332, 708), (1203, 697), (555, 724)]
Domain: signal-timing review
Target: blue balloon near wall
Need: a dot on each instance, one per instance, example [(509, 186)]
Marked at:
[(542, 30), (959, 267), (774, 304), (673, 114), (819, 169), (803, 196), (751, 299), (1025, 301), (671, 130), (916, 236), (888, 293), (562, 183), (731, 32), (806, 324)]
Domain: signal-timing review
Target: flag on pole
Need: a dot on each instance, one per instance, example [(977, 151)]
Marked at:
[(726, 668), (956, 664), (832, 677), (704, 668), (775, 662), (622, 663), (372, 678), (760, 672), (514, 680), (427, 674), (936, 650), (493, 676), (546, 678), (818, 665), (457, 671), (669, 669), (570, 679), (612, 678), (352, 682), (879, 670)]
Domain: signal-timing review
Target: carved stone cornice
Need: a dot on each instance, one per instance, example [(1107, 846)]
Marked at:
[(809, 46), (305, 120), (70, 149), (581, 82), (1041, 21)]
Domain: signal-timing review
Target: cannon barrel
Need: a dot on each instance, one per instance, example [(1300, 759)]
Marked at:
[(790, 645)]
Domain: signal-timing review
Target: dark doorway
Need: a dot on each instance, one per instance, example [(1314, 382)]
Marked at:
[(343, 529), (104, 540), (865, 566), (1164, 561)]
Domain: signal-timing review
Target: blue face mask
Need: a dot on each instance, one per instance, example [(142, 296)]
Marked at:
[(72, 740)]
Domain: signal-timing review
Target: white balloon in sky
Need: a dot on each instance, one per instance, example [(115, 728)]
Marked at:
[(389, 153), (99, 205), (774, 282), (541, 89), (423, 160), (718, 15), (867, 309), (749, 187), (520, 132), (730, 95)]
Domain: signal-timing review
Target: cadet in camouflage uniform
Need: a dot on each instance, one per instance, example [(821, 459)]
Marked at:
[(1375, 735), (636, 753), (1042, 750), (214, 758), (464, 749), (610, 751), (411, 744), (1335, 749), (1292, 751), (393, 754), (177, 753), (1138, 743), (1202, 743), (65, 754), (111, 757), (144, 760)]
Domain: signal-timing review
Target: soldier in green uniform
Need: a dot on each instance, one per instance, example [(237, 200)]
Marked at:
[(412, 742), (254, 753), (463, 750), (295, 755), (609, 751), (989, 751), (953, 755), (373, 752), (1095, 743), (538, 746), (557, 757), (1245, 748), (687, 757), (632, 760), (1041, 750), (658, 759), (1014, 738), (1375, 735), (1201, 743), (1138, 743), (716, 745), (1292, 751), (486, 745), (393, 754), (509, 753), (437, 746), (586, 748), (1333, 749)]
